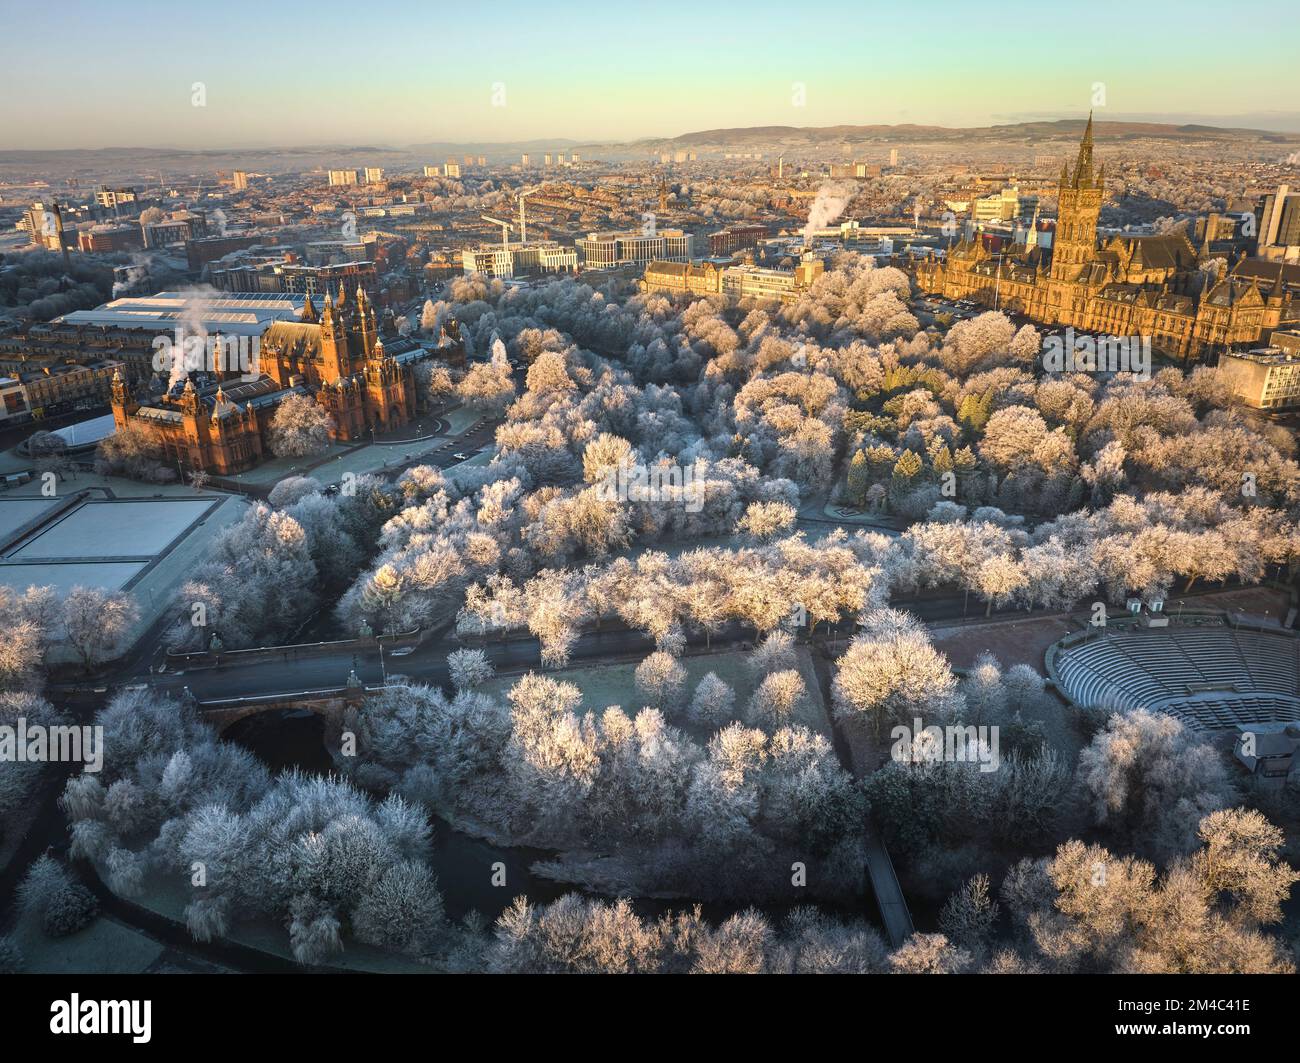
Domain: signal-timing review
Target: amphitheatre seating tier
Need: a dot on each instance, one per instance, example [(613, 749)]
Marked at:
[(1212, 677)]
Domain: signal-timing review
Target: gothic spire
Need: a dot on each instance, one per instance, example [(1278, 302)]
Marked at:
[(1083, 177)]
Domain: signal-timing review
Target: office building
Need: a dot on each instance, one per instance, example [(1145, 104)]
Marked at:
[(1279, 226), (609, 250), (1267, 378), (516, 260)]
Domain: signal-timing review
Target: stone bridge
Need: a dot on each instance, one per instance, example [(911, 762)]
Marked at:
[(331, 705)]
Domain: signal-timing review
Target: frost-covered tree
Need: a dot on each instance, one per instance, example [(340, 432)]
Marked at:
[(29, 621), (968, 918), (766, 520), (929, 954), (292, 489), (777, 699), (660, 679), (403, 910), (299, 428), (1151, 780), (774, 653), (1087, 909), (714, 702), (487, 386), (469, 668), (548, 373), (19, 778), (891, 673), (96, 623)]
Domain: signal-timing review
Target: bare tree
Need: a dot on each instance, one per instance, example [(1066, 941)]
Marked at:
[(96, 622)]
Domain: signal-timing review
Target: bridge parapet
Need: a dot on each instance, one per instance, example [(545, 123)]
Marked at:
[(195, 660), (331, 704)]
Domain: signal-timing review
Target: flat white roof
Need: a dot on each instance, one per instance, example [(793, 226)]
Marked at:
[(243, 314), (83, 433)]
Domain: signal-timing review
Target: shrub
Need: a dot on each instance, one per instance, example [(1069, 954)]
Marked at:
[(45, 879), (69, 910)]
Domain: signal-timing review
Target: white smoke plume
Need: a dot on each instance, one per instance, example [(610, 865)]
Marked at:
[(830, 203), (500, 360), (137, 271), (191, 336)]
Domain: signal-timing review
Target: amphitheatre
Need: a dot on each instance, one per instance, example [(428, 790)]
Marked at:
[(1211, 674)]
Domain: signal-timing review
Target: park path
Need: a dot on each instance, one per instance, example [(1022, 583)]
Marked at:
[(894, 913)]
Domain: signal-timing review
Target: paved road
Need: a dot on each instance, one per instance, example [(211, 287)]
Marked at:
[(428, 662)]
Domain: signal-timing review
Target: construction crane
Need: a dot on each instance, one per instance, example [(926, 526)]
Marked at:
[(523, 221), (506, 227)]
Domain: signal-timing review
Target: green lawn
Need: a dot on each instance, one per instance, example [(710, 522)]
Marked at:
[(603, 685), (104, 947), (460, 419), (168, 896)]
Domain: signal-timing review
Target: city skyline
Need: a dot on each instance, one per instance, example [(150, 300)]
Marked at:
[(292, 79)]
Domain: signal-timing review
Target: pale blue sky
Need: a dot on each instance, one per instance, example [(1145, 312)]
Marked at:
[(85, 75)]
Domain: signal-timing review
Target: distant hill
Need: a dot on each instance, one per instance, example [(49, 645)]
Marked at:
[(489, 148), (126, 160), (1026, 132)]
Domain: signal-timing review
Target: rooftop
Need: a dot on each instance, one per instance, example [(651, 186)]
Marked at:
[(1265, 356), (242, 315)]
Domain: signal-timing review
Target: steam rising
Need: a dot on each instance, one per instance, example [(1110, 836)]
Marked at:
[(829, 205), (191, 326)]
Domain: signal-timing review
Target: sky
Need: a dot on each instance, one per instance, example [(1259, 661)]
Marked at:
[(243, 74)]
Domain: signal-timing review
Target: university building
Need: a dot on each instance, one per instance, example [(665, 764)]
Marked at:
[(735, 283), (1266, 379), (695, 278), (515, 260), (610, 250), (337, 358), (1126, 286)]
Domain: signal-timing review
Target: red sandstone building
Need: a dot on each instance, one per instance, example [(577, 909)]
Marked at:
[(336, 358)]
